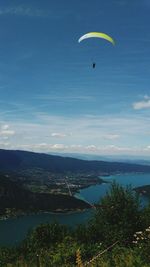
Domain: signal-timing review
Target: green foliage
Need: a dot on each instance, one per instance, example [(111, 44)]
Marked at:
[(8, 255), (44, 237), (122, 257), (118, 219), (145, 216)]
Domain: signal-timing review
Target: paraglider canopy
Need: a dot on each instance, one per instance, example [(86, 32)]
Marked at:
[(97, 35)]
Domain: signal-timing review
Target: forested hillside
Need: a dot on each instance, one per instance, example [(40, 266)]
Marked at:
[(14, 197)]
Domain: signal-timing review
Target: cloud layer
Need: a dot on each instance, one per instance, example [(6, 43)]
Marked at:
[(103, 135)]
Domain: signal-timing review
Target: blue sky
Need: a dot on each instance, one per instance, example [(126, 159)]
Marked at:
[(52, 100)]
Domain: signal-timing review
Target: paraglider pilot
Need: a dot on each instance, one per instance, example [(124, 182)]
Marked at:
[(94, 64)]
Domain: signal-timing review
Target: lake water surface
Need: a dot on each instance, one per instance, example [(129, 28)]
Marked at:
[(13, 230)]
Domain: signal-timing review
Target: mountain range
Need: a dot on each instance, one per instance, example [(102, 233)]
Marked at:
[(15, 160)]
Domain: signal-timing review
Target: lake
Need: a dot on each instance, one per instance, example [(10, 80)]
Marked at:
[(13, 230), (94, 193)]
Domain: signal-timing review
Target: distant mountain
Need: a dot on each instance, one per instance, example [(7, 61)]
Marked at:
[(83, 156), (145, 160), (13, 160)]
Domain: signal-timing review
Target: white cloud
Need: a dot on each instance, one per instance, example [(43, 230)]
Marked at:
[(111, 136), (44, 147), (7, 133), (89, 149), (58, 135), (23, 11), (5, 127), (59, 147), (146, 97), (145, 104)]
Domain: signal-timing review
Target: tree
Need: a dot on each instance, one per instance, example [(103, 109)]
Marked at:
[(119, 218)]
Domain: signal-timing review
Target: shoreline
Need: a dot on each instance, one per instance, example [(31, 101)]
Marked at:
[(57, 212), (65, 211)]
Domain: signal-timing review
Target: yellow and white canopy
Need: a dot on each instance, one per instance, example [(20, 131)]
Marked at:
[(97, 35)]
